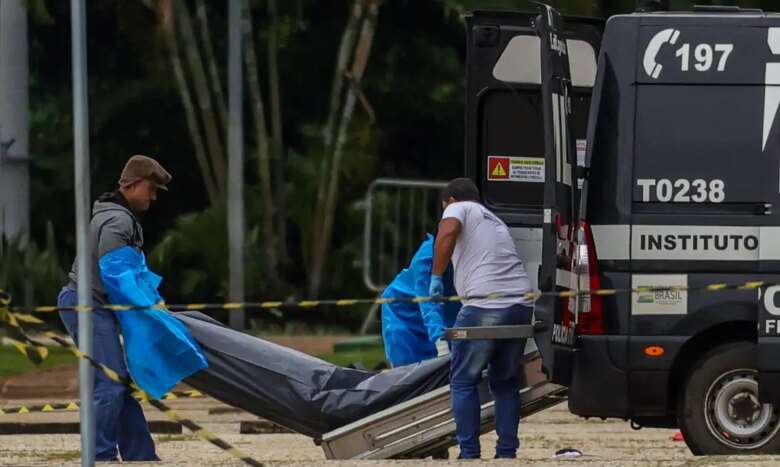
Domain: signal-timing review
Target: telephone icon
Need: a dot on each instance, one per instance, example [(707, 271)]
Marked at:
[(653, 68)]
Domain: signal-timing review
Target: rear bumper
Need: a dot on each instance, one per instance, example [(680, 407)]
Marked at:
[(599, 382)]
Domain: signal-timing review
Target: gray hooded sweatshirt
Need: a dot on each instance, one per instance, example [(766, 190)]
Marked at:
[(113, 226)]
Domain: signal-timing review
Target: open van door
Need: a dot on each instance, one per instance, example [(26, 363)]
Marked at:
[(529, 78), (560, 189)]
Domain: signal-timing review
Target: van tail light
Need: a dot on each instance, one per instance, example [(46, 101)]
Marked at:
[(588, 309)]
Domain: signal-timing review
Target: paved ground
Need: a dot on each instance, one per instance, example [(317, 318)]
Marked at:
[(610, 443)]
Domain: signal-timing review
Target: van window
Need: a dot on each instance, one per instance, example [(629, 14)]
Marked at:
[(582, 63), (512, 133), (520, 62)]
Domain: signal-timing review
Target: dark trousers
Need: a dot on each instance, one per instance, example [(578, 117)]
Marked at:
[(503, 359), (119, 419)]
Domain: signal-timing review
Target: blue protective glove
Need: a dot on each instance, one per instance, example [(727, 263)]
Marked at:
[(436, 289)]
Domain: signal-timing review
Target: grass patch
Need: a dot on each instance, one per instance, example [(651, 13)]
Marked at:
[(368, 357), (71, 455), (14, 363)]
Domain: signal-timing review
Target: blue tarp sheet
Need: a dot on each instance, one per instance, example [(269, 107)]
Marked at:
[(160, 350), (410, 330)]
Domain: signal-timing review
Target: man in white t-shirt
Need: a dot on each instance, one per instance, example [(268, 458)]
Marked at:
[(485, 261)]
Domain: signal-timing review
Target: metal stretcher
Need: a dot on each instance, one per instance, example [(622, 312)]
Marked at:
[(424, 426), (353, 414)]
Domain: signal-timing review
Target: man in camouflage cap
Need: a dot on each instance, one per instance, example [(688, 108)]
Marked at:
[(121, 428)]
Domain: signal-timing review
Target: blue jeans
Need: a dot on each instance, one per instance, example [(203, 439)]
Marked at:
[(503, 358), (119, 419)]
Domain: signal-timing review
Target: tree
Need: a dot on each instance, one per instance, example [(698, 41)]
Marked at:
[(262, 141), (205, 127), (277, 140), (201, 93), (346, 83)]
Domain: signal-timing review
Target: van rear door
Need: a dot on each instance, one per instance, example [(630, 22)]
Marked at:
[(560, 190), (514, 150)]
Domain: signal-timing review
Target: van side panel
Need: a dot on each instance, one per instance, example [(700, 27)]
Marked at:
[(657, 120)]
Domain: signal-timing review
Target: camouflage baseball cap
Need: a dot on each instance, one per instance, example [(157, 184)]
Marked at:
[(141, 167)]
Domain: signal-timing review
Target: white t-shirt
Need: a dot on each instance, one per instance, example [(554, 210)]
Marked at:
[(485, 260)]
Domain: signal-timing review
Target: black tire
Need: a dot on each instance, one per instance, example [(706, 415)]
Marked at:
[(718, 410)]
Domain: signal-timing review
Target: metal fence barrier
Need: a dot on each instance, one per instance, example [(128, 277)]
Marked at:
[(398, 214)]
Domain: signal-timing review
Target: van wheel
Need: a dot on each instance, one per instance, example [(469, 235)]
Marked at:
[(719, 412)]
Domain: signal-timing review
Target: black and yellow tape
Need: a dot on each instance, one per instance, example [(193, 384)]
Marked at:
[(173, 395), (73, 406), (205, 435), (532, 296), (196, 429), (11, 321), (50, 407), (33, 350), (36, 352)]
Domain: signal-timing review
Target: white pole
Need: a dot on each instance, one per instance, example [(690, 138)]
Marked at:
[(14, 121), (235, 207), (83, 248)]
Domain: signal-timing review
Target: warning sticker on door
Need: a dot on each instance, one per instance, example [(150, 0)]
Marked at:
[(516, 169)]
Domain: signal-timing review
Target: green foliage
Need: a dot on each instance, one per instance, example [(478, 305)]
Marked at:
[(191, 257), (414, 83), (38, 12), (31, 274)]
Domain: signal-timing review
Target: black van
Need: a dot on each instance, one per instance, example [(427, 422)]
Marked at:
[(655, 165)]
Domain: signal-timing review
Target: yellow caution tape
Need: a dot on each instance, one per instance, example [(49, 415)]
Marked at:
[(22, 313), (12, 324), (36, 352), (74, 406)]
